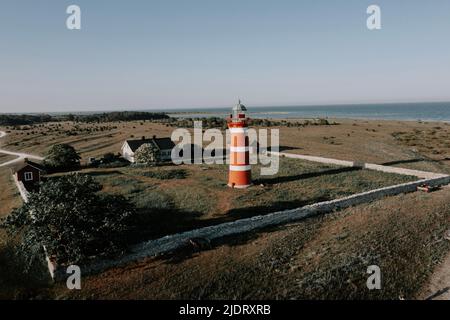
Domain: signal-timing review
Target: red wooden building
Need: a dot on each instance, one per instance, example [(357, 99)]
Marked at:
[(28, 172)]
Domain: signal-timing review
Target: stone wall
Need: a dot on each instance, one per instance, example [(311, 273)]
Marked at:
[(22, 190), (370, 166)]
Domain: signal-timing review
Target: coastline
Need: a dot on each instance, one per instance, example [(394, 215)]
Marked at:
[(420, 112), (206, 115)]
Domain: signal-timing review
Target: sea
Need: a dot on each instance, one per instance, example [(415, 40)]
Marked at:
[(424, 111)]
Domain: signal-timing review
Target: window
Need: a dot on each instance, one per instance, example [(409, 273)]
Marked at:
[(28, 176)]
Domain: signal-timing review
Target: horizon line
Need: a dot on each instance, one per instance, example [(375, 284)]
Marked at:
[(180, 109)]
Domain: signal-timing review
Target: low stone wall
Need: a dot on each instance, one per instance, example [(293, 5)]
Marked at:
[(22, 190), (408, 172), (343, 163), (362, 165)]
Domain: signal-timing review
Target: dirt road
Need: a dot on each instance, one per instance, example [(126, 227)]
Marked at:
[(20, 155)]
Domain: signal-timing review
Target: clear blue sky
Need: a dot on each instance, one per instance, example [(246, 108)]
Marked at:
[(206, 53)]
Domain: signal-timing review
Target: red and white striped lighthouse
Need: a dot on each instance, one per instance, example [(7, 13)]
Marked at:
[(240, 169)]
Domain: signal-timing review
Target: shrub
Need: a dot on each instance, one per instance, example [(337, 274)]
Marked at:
[(109, 157), (62, 157), (147, 154), (71, 219), (323, 122)]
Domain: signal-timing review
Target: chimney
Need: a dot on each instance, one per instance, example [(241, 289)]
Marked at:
[(143, 137), (154, 137)]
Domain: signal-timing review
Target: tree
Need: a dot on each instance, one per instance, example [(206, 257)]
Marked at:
[(147, 154), (62, 156), (72, 220), (109, 157)]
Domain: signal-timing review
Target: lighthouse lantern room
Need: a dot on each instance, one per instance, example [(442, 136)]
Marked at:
[(240, 169)]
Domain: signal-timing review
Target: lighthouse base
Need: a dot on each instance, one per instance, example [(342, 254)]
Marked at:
[(234, 186), (239, 179)]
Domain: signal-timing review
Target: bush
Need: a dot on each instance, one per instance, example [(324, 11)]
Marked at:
[(62, 157), (109, 157), (323, 122), (71, 219), (147, 154)]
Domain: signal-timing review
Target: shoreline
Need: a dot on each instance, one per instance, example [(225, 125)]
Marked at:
[(409, 120)]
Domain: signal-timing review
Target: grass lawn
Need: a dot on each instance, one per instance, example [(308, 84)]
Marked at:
[(172, 199), (324, 257), (9, 195), (401, 234), (6, 157)]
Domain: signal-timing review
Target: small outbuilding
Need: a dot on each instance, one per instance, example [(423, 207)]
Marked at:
[(28, 172)]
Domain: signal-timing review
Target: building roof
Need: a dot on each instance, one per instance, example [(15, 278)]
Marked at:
[(25, 163), (160, 143), (164, 143)]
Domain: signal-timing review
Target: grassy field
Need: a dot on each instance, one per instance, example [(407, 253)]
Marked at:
[(370, 141), (321, 257), (90, 140), (434, 140), (324, 257), (14, 282), (9, 195), (6, 157), (171, 199)]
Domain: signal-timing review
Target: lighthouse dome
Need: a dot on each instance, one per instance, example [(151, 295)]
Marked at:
[(239, 108)]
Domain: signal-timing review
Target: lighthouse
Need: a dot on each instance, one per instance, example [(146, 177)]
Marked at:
[(240, 169)]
